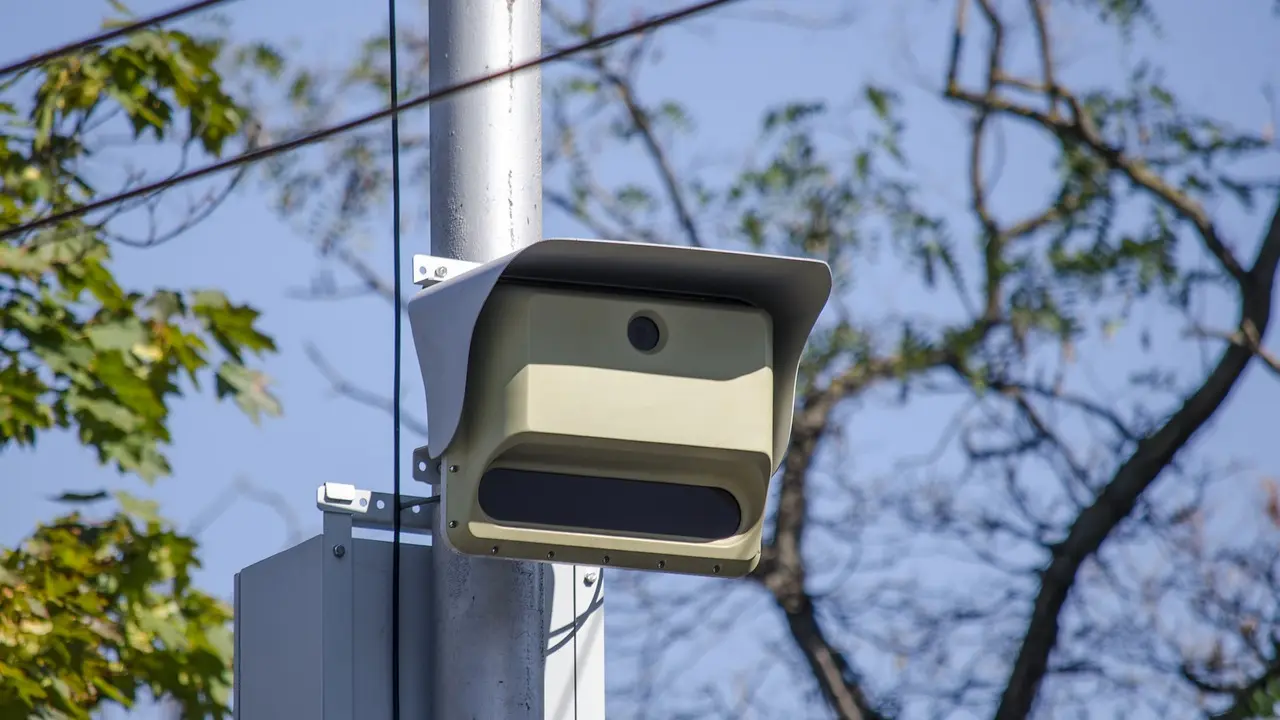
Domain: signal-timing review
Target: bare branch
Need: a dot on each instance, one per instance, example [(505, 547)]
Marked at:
[(782, 569), (1039, 15), (330, 293), (1246, 337), (240, 489), (662, 163), (1118, 499), (365, 397), (196, 213), (957, 43), (1080, 128), (836, 20), (1242, 697)]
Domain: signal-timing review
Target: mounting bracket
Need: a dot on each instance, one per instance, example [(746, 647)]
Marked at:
[(429, 269), (374, 510), (424, 468)]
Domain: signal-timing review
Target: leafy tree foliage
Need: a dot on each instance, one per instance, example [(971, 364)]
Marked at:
[(103, 610), (99, 608)]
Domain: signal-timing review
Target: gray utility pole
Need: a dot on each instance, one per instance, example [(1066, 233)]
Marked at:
[(492, 618)]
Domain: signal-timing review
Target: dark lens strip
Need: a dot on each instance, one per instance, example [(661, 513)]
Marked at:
[(614, 505)]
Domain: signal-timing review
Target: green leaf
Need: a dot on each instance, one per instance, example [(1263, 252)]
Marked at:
[(249, 389), (82, 498), (792, 114), (147, 510), (120, 335), (881, 100), (111, 691)]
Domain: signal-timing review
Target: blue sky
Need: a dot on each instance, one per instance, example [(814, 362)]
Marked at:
[(727, 70)]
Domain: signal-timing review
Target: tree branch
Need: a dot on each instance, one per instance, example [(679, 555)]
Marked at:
[(994, 241), (1242, 697), (242, 488), (365, 397), (782, 572), (640, 119), (782, 569), (1117, 500), (1246, 337), (1081, 129), (1039, 15)]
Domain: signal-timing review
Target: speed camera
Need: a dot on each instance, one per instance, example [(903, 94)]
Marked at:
[(611, 403)]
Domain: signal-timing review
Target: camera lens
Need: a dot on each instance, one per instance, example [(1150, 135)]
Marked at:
[(643, 333)]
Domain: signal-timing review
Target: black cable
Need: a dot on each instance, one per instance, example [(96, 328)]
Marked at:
[(112, 34), (267, 151), (571, 628), (419, 502), (395, 372)]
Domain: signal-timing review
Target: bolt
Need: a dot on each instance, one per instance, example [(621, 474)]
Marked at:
[(442, 271), (589, 579), (364, 502), (453, 468), (339, 551), (453, 523)]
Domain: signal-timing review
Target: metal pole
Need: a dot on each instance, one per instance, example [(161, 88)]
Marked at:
[(491, 617)]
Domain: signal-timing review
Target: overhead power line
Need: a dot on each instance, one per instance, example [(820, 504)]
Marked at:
[(107, 36), (267, 151)]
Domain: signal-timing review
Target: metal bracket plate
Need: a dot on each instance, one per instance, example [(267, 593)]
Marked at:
[(374, 510), (429, 269), (424, 468)]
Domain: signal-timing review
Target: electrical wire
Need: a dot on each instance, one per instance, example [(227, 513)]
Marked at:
[(174, 14), (419, 502), (394, 106), (267, 151), (571, 628)]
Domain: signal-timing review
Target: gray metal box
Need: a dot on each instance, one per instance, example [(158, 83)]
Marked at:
[(281, 623)]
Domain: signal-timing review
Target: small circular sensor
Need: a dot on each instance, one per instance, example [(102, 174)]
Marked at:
[(643, 333)]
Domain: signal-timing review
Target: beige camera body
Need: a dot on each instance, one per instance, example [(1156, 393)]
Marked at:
[(616, 404)]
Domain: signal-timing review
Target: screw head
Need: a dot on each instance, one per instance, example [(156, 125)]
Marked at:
[(589, 579), (453, 468), (453, 523), (442, 271), (339, 551)]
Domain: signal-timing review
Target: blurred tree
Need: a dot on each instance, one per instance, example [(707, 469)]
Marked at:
[(1049, 553), (98, 608)]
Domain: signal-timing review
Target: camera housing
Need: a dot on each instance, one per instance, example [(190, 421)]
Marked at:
[(611, 403)]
